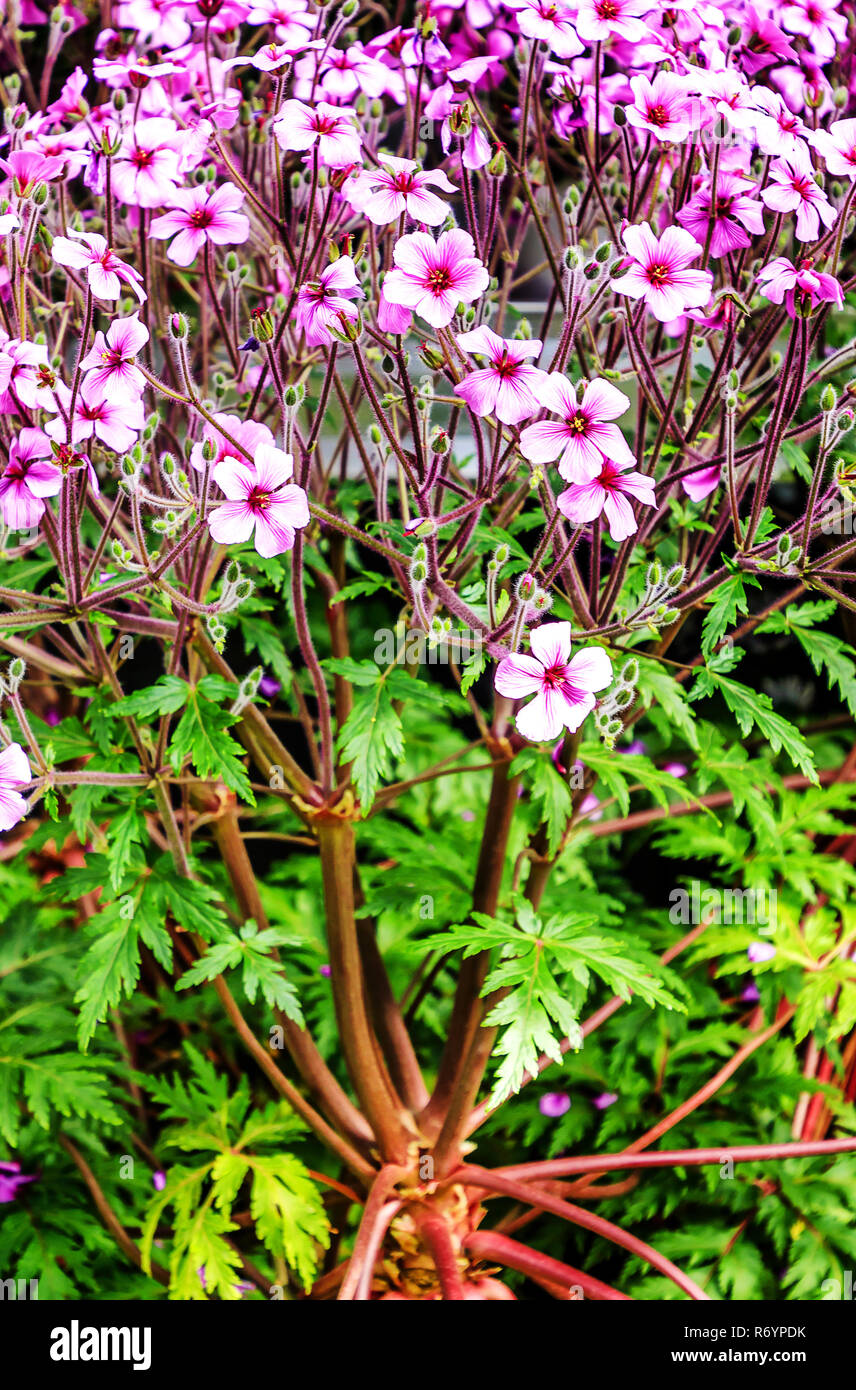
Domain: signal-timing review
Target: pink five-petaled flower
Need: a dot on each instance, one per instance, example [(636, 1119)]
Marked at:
[(248, 434), (111, 361), (261, 498), (145, 171), (662, 107), (105, 273), (14, 773), (399, 186), (434, 277), (27, 479), (113, 419), (327, 129), (796, 191), (202, 214), (321, 302), (734, 215), (608, 493), (838, 147), (660, 272), (781, 282), (604, 19), (584, 435), (509, 387), (563, 688), (551, 22)]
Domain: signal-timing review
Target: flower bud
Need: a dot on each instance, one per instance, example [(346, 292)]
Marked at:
[(178, 327)]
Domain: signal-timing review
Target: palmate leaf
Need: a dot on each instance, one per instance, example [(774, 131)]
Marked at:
[(730, 600), (202, 738), (752, 708), (618, 774), (824, 651), (548, 791), (289, 1214), (371, 737), (109, 969), (542, 975), (260, 973)]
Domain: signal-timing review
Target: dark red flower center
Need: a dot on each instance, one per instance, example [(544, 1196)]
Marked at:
[(258, 500), (439, 279), (659, 274), (658, 115), (200, 217), (555, 678), (578, 423)]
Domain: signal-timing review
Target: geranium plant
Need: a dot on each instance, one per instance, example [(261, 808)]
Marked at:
[(427, 703)]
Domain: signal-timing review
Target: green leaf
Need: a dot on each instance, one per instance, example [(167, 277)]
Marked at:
[(548, 791), (753, 708), (201, 736), (168, 694), (730, 600)]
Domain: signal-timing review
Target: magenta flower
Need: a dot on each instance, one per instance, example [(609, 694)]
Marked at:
[(702, 482), (598, 20), (114, 420), (796, 191), (751, 994), (782, 282), (433, 277), (554, 1104), (659, 272), (399, 186), (662, 108), (27, 479), (27, 168), (563, 688), (838, 147), (11, 1177), (608, 493), (105, 273), (604, 1100), (260, 498), (818, 21), (249, 434), (777, 130), (202, 214), (552, 23), (763, 43), (734, 216), (159, 1180), (111, 361), (759, 951), (14, 773), (328, 129), (584, 435), (145, 171), (322, 303), (508, 387)]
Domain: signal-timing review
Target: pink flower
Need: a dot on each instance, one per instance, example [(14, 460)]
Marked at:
[(584, 435), (562, 687), (114, 420), (608, 493), (598, 20), (145, 171), (434, 277), (14, 773), (202, 214), (105, 273), (777, 130), (554, 1104), (247, 433), (818, 22), (26, 480), (397, 187), (552, 23), (659, 272), (320, 303), (392, 318), (111, 361), (29, 167), (260, 498), (798, 192), (838, 147), (11, 1177), (735, 214), (759, 951), (32, 380), (330, 129), (604, 1100), (662, 107), (702, 483), (782, 282), (763, 43), (508, 388)]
